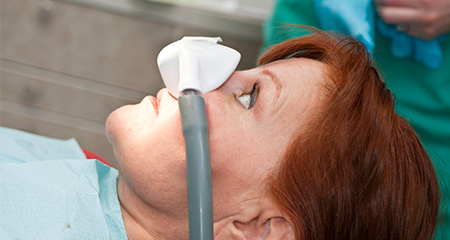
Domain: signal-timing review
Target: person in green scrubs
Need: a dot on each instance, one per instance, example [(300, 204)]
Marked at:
[(422, 93)]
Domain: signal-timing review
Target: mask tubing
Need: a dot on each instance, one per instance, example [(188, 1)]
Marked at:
[(195, 130)]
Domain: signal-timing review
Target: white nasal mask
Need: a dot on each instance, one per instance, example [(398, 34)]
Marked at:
[(197, 63)]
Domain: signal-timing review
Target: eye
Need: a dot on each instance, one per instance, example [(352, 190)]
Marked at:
[(248, 100)]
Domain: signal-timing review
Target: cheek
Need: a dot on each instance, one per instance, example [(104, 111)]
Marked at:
[(234, 140), (241, 146), (240, 162)]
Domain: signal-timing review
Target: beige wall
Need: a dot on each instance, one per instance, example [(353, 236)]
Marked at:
[(65, 67)]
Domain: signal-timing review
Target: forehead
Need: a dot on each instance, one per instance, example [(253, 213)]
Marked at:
[(298, 76), (295, 87), (302, 81), (297, 66)]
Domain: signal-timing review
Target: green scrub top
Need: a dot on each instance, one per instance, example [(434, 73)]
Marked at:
[(422, 95)]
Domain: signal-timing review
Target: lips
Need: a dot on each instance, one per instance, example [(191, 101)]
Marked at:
[(163, 97)]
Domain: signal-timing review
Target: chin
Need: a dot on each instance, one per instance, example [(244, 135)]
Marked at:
[(109, 126), (114, 122), (129, 121)]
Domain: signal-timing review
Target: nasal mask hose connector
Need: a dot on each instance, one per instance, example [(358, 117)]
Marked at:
[(190, 67)]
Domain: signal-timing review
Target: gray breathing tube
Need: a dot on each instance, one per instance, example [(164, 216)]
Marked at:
[(195, 130), (190, 67)]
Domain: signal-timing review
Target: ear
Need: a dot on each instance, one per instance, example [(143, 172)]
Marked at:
[(262, 228), (255, 220)]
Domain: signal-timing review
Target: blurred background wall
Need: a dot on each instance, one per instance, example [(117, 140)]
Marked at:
[(66, 64)]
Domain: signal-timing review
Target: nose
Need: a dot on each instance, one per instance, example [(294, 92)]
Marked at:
[(224, 85), (196, 63)]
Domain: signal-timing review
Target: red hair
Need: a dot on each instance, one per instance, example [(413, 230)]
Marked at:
[(357, 170)]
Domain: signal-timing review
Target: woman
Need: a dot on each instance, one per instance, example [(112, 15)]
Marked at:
[(306, 146)]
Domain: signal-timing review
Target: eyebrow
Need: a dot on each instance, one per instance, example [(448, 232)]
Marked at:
[(276, 81)]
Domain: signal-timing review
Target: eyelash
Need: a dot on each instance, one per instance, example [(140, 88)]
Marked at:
[(248, 100)]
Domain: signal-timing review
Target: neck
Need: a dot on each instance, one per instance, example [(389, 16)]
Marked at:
[(143, 221)]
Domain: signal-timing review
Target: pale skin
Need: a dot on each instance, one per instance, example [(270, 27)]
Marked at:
[(246, 145), (426, 19)]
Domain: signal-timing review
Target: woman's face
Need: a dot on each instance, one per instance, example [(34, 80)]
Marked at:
[(251, 117)]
